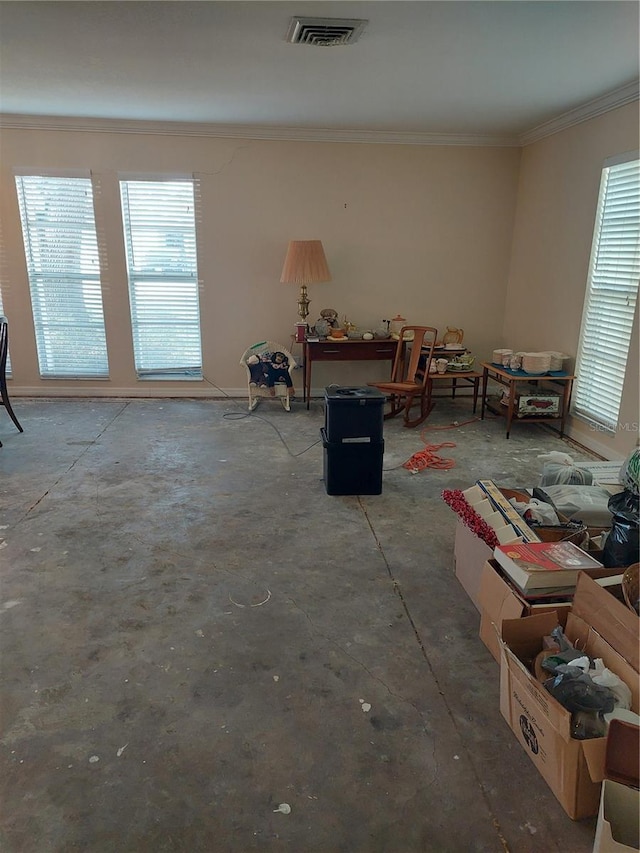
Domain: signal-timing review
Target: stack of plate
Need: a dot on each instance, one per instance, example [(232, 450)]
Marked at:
[(536, 363), (557, 360), (501, 356)]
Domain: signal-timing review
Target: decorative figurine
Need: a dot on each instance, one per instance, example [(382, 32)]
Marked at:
[(330, 316)]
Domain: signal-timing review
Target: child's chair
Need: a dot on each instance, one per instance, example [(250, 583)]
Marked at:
[(257, 383)]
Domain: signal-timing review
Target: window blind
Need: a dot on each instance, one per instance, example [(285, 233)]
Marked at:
[(61, 250), (612, 290), (160, 238)]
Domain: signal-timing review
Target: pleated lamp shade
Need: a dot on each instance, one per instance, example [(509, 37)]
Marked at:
[(305, 264)]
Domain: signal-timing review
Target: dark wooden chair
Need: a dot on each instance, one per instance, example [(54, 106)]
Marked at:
[(409, 383), (4, 351)]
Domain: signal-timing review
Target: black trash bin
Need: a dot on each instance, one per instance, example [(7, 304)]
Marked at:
[(352, 441)]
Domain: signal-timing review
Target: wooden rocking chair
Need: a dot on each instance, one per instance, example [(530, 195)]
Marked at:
[(409, 384)]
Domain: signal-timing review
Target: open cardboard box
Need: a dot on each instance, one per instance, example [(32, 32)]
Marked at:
[(499, 599), (618, 827), (604, 628), (470, 554)]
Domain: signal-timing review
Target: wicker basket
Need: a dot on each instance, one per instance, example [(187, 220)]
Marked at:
[(630, 588)]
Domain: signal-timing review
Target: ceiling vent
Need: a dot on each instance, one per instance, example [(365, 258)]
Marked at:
[(324, 32)]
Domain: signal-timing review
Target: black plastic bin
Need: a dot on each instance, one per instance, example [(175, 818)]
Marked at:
[(353, 415), (352, 468)]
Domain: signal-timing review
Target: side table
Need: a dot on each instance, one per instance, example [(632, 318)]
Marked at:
[(510, 378), (450, 379)]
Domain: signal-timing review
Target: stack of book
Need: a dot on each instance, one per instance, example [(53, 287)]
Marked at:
[(545, 568)]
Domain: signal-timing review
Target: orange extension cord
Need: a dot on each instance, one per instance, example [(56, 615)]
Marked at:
[(429, 458)]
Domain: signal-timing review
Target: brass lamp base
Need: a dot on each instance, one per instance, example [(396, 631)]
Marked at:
[(303, 303)]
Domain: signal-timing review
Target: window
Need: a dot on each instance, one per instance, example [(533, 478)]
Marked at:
[(160, 239), (61, 250), (612, 290)]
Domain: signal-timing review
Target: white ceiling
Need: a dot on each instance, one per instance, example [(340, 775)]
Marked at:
[(421, 67)]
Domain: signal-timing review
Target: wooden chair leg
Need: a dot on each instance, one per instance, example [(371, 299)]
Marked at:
[(396, 406), (7, 405), (426, 405)]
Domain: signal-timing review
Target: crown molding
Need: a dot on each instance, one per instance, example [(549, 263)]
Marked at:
[(258, 132), (617, 98)]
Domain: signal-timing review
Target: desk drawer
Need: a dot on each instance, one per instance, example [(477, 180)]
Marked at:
[(354, 350)]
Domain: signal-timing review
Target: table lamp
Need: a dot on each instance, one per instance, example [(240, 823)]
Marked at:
[(304, 264)]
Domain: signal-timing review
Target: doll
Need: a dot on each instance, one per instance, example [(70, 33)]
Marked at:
[(330, 317), (257, 371), (277, 365)]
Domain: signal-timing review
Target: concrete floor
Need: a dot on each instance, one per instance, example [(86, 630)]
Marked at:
[(191, 628)]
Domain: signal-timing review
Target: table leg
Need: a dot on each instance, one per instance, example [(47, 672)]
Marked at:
[(307, 375), (512, 400), (453, 387), (566, 400), (476, 383), (485, 379)]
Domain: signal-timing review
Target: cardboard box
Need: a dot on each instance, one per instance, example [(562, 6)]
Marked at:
[(618, 827), (499, 600), (602, 626), (617, 830), (469, 556), (470, 553)]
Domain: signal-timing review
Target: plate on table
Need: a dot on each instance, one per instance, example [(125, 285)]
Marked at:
[(329, 338)]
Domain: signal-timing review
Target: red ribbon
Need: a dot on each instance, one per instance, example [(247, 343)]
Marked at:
[(455, 499)]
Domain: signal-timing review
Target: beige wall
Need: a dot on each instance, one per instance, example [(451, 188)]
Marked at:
[(553, 232), (424, 231), (431, 232)]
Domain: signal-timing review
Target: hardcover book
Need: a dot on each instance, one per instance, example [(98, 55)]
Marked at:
[(543, 565)]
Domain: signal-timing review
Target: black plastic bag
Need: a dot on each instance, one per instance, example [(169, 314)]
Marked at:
[(587, 701), (621, 545), (577, 691)]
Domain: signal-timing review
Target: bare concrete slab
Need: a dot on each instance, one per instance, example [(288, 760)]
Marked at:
[(193, 633)]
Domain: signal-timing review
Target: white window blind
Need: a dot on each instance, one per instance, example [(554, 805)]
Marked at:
[(612, 290), (160, 238), (61, 251)]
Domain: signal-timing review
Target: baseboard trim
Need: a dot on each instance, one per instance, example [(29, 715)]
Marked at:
[(70, 391)]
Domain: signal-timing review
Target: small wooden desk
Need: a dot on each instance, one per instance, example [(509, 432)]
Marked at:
[(509, 378), (344, 350)]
